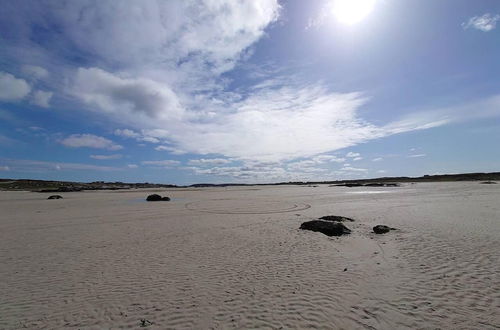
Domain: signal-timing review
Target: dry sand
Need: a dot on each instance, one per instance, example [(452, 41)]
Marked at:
[(228, 258)]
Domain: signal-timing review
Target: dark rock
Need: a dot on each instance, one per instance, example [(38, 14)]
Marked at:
[(392, 185), (382, 229), (329, 228), (157, 198), (55, 197), (488, 182), (153, 198), (335, 218)]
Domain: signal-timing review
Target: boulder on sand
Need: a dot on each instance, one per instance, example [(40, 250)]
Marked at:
[(329, 228), (382, 229), (335, 218), (55, 197), (153, 198), (165, 198)]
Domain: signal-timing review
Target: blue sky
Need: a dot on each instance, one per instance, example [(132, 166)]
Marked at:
[(248, 91)]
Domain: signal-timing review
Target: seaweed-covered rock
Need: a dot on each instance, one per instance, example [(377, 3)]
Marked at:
[(329, 228), (55, 197), (335, 218), (382, 229)]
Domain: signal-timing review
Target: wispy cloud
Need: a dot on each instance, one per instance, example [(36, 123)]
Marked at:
[(106, 157), (485, 23), (378, 159), (22, 165), (161, 163), (417, 156), (209, 161), (89, 141)]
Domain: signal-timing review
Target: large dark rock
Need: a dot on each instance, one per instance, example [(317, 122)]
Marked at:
[(488, 182), (157, 198), (153, 198), (335, 218), (329, 228), (382, 229), (55, 197)]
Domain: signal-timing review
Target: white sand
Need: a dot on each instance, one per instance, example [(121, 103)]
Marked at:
[(234, 258)]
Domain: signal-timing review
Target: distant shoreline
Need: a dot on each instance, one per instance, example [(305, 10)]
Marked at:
[(69, 186)]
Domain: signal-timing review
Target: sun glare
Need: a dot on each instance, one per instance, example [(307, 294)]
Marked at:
[(352, 11)]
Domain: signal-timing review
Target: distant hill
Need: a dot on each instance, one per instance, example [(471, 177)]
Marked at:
[(67, 186)]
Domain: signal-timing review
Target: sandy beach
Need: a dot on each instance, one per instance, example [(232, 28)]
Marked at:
[(234, 258)]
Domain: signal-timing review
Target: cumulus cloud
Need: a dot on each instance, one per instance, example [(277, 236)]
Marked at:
[(34, 71), (90, 141), (41, 98), (106, 157), (485, 23), (12, 88), (126, 96)]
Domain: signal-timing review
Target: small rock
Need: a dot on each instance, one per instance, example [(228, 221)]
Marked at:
[(55, 197), (165, 199), (382, 229), (145, 323), (329, 228)]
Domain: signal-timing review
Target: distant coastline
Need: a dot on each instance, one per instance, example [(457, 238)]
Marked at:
[(69, 186)]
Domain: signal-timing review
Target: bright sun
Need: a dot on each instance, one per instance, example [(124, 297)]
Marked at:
[(352, 11)]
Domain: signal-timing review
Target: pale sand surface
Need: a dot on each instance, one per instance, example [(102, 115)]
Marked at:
[(228, 258)]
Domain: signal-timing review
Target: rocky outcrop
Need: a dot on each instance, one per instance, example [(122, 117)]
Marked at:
[(55, 197), (329, 228)]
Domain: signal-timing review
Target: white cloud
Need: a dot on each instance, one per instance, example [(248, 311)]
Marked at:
[(89, 141), (127, 133), (132, 166), (34, 71), (357, 158), (352, 154), (381, 171), (106, 157), (161, 163), (353, 169), (12, 88), (4, 168), (378, 159), (122, 96), (485, 23), (417, 156), (41, 98), (209, 161)]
